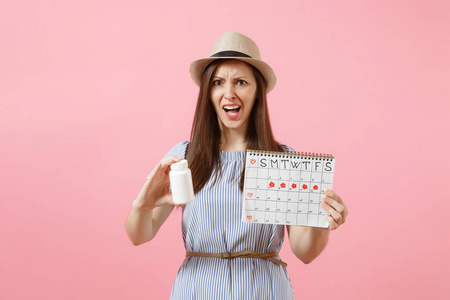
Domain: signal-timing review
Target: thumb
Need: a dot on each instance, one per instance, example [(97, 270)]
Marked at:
[(165, 200), (169, 200)]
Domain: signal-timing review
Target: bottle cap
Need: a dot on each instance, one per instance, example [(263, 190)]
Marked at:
[(179, 166)]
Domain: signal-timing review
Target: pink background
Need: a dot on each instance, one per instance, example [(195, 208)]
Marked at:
[(94, 93)]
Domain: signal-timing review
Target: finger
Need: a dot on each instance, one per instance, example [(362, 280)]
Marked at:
[(332, 223), (337, 217), (332, 194), (340, 208), (166, 162), (155, 171), (166, 200)]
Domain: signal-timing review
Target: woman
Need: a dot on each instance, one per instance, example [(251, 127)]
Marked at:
[(231, 116)]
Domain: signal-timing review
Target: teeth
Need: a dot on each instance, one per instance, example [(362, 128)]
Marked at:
[(231, 107)]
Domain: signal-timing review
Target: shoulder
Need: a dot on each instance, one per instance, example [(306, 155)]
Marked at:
[(286, 148), (179, 149)]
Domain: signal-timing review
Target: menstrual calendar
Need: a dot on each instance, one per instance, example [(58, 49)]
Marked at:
[(286, 188)]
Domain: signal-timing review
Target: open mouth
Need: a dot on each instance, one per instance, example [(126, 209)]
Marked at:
[(232, 109)]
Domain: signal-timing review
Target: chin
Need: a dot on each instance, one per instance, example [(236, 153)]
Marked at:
[(232, 125)]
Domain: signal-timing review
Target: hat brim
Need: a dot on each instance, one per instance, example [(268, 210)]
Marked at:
[(198, 66)]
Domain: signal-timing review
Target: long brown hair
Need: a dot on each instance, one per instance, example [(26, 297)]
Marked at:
[(204, 148)]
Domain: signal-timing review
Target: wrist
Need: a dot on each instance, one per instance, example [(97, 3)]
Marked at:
[(141, 205)]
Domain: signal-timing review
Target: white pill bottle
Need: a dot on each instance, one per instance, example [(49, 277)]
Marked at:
[(181, 182)]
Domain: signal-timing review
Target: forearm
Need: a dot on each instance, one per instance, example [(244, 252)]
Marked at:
[(143, 223), (139, 225), (307, 242)]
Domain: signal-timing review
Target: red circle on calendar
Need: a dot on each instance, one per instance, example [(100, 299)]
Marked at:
[(304, 186)]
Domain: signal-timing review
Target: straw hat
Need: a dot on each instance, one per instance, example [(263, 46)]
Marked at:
[(233, 45)]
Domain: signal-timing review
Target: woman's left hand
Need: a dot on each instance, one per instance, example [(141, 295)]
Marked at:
[(337, 209)]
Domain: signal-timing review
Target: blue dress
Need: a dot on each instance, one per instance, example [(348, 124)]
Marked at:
[(212, 223)]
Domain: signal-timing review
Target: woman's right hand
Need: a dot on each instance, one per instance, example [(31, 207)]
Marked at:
[(156, 190)]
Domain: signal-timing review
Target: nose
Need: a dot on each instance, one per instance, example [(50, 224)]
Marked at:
[(230, 91)]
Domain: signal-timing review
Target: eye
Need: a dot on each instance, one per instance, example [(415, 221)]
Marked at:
[(216, 82), (241, 82)]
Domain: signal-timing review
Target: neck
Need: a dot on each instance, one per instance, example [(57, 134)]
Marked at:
[(233, 139)]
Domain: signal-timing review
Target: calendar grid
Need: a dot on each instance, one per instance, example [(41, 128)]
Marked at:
[(286, 188)]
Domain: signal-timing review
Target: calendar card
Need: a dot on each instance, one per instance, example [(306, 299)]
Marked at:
[(286, 188)]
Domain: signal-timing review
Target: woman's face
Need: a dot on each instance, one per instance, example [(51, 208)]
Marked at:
[(233, 92)]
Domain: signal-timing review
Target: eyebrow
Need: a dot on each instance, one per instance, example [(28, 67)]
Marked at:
[(237, 77)]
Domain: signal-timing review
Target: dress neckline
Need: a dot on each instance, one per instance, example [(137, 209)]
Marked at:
[(232, 155)]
